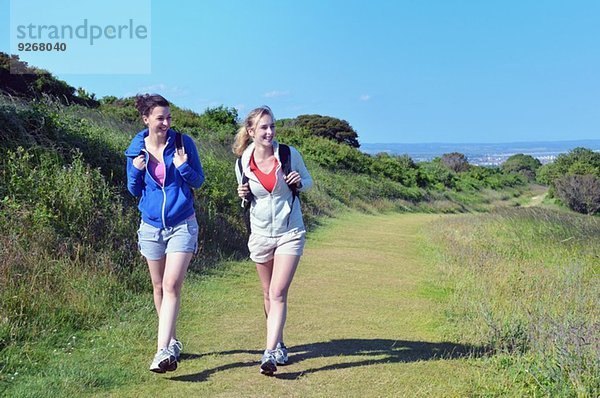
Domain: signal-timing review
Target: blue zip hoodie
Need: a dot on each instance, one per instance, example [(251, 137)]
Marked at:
[(168, 205)]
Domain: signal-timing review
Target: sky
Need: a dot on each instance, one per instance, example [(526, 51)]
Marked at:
[(400, 71)]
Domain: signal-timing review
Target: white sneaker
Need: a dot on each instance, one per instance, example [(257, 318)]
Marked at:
[(176, 347), (281, 354), (268, 365), (164, 360)]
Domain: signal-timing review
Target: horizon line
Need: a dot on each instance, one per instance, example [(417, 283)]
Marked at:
[(480, 143)]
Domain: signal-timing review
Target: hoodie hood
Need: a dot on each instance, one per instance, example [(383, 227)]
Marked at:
[(137, 144)]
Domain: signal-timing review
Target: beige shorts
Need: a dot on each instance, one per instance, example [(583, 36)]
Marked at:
[(264, 248)]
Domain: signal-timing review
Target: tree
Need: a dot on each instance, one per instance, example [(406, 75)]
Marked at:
[(455, 161), (328, 127), (525, 165)]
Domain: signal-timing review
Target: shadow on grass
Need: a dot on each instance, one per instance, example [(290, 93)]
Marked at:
[(368, 352)]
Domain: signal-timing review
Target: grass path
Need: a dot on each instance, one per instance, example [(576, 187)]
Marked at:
[(363, 321)]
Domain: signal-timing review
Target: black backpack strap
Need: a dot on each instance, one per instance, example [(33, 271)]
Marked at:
[(241, 168), (248, 199), (178, 140), (285, 156), (244, 181)]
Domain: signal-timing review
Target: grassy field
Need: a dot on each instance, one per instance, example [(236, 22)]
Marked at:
[(397, 305), (364, 320), (525, 283)]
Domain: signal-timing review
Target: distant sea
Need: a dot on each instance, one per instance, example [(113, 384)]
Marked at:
[(482, 154)]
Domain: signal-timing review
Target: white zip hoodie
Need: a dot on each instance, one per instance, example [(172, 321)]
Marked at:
[(272, 213)]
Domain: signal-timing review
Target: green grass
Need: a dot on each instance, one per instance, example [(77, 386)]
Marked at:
[(501, 304), (526, 283), (360, 324)]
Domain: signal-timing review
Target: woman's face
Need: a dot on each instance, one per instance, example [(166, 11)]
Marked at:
[(263, 132), (159, 120)]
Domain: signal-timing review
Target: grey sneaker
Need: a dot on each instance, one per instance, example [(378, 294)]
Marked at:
[(268, 365), (281, 354), (164, 360), (176, 347)]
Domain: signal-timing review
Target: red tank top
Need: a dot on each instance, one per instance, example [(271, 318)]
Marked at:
[(267, 180)]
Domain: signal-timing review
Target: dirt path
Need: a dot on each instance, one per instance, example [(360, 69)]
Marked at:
[(363, 320), (539, 194)]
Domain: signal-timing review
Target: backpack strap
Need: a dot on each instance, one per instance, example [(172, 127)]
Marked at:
[(285, 156), (247, 199), (245, 179), (178, 146), (178, 140), (286, 165)]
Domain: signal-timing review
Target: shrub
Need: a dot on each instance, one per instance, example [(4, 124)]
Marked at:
[(580, 193), (401, 169), (434, 174), (325, 126), (455, 161), (525, 165)]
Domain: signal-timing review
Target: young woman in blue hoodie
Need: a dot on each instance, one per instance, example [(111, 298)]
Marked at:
[(162, 176), (277, 230)]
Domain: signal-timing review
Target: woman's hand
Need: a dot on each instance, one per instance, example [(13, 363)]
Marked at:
[(139, 162), (293, 178), (243, 190), (180, 157)]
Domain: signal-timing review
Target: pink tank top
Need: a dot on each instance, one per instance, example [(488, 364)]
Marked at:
[(157, 171)]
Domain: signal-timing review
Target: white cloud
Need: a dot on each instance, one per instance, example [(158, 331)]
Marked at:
[(365, 97), (276, 93), (162, 89)]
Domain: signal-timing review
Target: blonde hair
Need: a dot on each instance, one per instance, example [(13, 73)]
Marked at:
[(242, 138)]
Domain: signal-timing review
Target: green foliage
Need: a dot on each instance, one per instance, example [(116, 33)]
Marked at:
[(526, 165), (401, 169), (578, 162), (436, 175)]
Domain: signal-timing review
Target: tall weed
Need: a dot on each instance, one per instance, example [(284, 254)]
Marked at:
[(526, 285)]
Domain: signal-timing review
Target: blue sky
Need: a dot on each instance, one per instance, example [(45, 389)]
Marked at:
[(397, 71)]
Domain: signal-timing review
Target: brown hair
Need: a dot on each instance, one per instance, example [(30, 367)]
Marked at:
[(242, 138), (146, 102)]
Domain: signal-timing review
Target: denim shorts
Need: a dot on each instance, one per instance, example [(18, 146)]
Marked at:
[(154, 243), (264, 248)]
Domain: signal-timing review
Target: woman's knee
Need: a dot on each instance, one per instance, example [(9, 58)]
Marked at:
[(266, 295), (172, 287), (157, 287), (277, 295)]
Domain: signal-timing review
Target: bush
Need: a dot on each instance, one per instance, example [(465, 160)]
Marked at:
[(434, 174), (580, 193), (401, 169), (455, 161), (579, 161), (525, 165)]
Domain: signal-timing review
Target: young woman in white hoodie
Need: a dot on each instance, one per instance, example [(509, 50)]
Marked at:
[(277, 230)]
